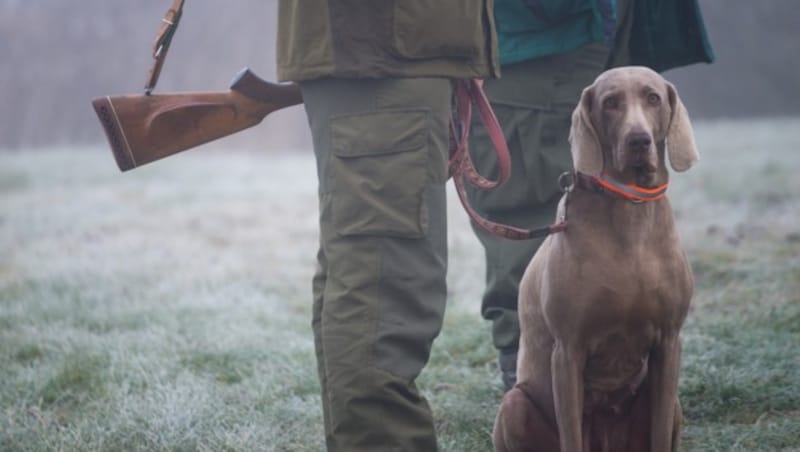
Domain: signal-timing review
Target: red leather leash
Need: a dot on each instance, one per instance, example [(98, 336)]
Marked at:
[(468, 93)]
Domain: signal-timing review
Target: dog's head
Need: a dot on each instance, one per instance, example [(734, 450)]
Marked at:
[(624, 124)]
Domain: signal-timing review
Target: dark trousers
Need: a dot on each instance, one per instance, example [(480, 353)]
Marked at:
[(379, 290)]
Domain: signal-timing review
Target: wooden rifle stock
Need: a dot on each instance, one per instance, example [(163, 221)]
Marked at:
[(142, 128)]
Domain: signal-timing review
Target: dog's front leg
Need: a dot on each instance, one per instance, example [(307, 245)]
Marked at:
[(567, 365), (664, 364)]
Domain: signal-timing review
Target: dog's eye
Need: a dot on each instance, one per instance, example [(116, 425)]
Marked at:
[(654, 99), (610, 103)]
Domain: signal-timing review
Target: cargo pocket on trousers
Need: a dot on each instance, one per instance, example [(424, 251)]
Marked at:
[(380, 169)]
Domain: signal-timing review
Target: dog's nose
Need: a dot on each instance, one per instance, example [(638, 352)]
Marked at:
[(639, 141)]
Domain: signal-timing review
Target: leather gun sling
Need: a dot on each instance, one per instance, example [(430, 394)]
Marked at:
[(169, 24)]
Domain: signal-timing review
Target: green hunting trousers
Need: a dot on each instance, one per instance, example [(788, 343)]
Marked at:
[(379, 289), (533, 102)]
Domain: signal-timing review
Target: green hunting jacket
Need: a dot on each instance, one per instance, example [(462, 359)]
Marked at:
[(386, 38), (665, 35), (655, 33)]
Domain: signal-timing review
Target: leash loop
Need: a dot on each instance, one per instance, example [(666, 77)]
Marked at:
[(468, 93)]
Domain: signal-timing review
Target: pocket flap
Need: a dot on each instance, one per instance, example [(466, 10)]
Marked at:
[(377, 133)]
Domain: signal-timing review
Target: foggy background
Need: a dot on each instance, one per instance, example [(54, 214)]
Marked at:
[(56, 55)]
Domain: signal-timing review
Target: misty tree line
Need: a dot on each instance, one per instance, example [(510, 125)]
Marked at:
[(58, 54)]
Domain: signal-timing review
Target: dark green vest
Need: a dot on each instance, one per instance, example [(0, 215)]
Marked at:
[(386, 38)]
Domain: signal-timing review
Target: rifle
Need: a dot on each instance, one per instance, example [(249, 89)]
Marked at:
[(145, 127), (142, 128)]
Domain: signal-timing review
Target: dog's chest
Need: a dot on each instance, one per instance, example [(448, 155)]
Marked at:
[(622, 318), (622, 301), (618, 279), (618, 360)]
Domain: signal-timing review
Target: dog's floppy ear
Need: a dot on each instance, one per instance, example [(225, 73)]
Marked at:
[(587, 155), (681, 147)]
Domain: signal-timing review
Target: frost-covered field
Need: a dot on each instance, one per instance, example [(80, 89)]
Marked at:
[(168, 308)]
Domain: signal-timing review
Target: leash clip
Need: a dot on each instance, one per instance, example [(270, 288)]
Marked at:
[(566, 181)]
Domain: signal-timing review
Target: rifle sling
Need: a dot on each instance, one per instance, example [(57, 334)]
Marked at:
[(169, 24)]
